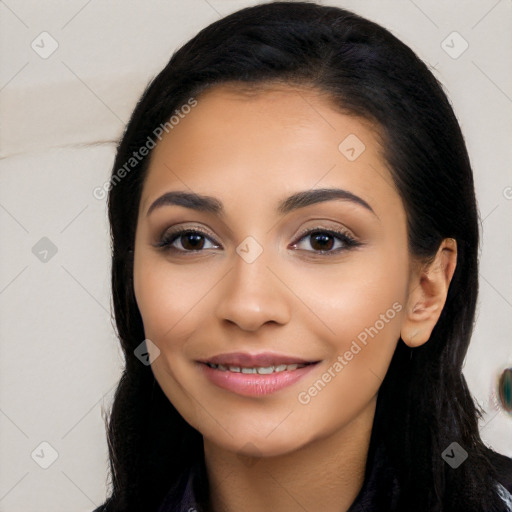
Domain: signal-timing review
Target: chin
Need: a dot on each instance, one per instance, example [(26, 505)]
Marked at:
[(259, 445)]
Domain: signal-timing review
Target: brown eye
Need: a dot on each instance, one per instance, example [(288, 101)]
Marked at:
[(191, 241), (323, 241), (185, 240)]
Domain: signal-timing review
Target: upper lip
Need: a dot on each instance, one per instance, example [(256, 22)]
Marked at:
[(264, 359)]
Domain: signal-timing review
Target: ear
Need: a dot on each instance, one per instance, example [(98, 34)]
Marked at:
[(428, 288)]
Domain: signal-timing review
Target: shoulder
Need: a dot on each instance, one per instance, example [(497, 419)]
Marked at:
[(503, 466)]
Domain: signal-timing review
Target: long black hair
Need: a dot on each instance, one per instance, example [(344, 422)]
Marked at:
[(424, 403)]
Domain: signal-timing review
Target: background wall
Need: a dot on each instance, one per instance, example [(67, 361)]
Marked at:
[(71, 73)]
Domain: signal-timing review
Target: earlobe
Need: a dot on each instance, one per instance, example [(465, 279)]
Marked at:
[(428, 289)]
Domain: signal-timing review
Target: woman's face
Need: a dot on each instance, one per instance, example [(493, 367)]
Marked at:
[(247, 278)]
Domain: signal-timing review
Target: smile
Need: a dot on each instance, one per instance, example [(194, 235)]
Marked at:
[(257, 380), (261, 370)]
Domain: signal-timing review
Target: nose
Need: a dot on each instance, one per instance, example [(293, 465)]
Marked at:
[(253, 294)]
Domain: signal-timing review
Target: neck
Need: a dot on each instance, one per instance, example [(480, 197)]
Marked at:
[(326, 474)]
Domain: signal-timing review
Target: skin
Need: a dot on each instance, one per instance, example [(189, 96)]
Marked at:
[(250, 151)]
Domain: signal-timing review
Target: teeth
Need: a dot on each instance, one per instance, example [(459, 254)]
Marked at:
[(261, 370)]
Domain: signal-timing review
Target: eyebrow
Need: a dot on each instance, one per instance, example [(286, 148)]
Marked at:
[(298, 200)]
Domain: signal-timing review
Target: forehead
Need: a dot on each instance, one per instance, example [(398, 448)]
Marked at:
[(268, 141)]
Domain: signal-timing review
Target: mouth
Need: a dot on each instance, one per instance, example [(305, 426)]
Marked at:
[(240, 374), (261, 360), (260, 370)]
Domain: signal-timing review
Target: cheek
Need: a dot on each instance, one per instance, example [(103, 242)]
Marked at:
[(360, 307), (362, 316), (351, 296), (167, 301), (171, 299), (154, 292)]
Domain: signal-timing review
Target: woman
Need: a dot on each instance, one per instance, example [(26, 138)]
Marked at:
[(295, 273)]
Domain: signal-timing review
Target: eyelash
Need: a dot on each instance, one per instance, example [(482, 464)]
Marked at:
[(349, 242)]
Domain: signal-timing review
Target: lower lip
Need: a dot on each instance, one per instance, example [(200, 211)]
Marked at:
[(254, 384)]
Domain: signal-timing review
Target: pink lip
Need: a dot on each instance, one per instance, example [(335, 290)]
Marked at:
[(250, 360), (254, 384)]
